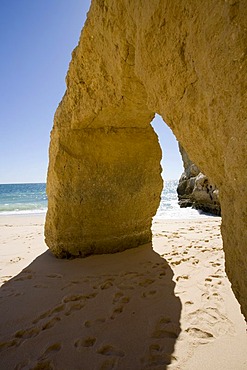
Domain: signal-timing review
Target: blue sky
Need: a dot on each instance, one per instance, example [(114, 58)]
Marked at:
[(37, 38)]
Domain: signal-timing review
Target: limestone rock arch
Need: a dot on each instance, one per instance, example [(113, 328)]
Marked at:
[(185, 60)]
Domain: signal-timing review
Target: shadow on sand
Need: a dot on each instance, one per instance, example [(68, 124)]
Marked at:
[(114, 311)]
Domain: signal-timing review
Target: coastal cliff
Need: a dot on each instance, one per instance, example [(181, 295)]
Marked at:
[(184, 60), (195, 190)]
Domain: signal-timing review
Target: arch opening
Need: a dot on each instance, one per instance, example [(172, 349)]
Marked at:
[(171, 163), (187, 192), (191, 242)]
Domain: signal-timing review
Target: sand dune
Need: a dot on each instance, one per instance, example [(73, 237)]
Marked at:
[(166, 306)]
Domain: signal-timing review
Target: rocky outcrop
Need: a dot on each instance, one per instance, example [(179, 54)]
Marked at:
[(195, 190), (186, 61)]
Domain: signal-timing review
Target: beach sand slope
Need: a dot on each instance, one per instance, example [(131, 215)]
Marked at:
[(163, 306)]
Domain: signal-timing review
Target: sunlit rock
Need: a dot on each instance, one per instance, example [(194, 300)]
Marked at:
[(195, 190), (185, 60)]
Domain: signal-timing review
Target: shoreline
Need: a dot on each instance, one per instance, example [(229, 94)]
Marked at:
[(155, 218), (24, 213), (91, 313)]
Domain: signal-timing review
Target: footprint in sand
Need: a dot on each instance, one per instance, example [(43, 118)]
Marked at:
[(182, 277), (44, 361), (162, 273), (15, 260), (71, 284), (119, 297), (188, 303), (109, 364), (19, 337), (52, 349), (124, 286), (117, 311), (24, 365), (217, 276), (84, 343), (130, 274), (109, 350), (11, 343), (195, 261), (49, 313), (156, 356), (215, 264), (42, 286), (72, 298), (165, 329), (149, 294), (68, 306), (49, 324), (55, 276), (199, 335), (89, 324), (208, 323), (178, 262), (106, 285), (23, 278), (120, 300), (78, 297), (76, 302), (146, 282), (74, 307), (146, 263), (212, 298), (27, 333)]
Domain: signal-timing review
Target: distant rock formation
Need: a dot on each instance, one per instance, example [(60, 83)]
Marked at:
[(186, 61), (195, 190)]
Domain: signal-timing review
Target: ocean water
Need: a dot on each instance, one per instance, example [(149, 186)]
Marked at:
[(31, 198), (169, 207), (22, 198)]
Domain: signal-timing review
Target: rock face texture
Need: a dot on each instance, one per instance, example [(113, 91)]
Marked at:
[(195, 190), (183, 59)]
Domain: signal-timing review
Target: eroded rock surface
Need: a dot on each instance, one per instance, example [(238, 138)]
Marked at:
[(185, 60), (195, 190)]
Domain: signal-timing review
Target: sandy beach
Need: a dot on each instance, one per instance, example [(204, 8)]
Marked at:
[(165, 305)]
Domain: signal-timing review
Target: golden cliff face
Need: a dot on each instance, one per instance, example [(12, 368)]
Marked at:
[(185, 60)]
